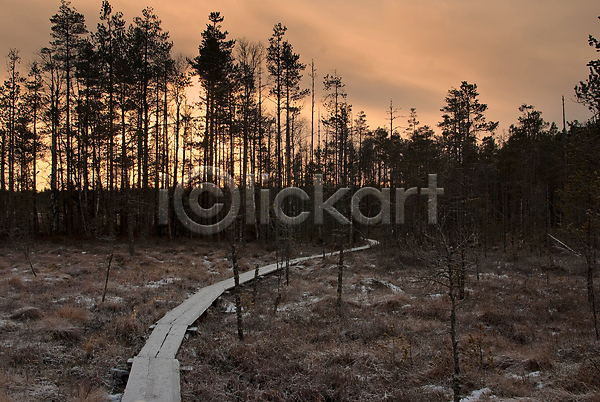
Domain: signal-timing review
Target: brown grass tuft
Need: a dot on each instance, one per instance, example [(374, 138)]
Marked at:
[(16, 282), (61, 329), (98, 345), (73, 314), (128, 328), (27, 313)]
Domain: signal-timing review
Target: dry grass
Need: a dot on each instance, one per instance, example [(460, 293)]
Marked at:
[(85, 393), (61, 329), (58, 341), (524, 328), (524, 332), (27, 313), (73, 314), (5, 381)]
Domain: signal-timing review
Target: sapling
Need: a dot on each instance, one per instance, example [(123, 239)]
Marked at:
[(450, 275), (106, 280), (340, 236), (21, 238), (255, 284), (236, 280), (340, 277)]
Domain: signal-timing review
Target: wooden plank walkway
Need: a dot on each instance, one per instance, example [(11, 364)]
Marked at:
[(154, 375)]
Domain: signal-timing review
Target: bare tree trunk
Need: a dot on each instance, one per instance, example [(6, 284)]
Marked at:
[(255, 285), (106, 279), (130, 223), (31, 265), (277, 261), (287, 261), (452, 273), (591, 290), (462, 275), (340, 277), (236, 280)]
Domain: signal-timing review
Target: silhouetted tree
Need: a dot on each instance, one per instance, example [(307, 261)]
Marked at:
[(276, 71), (214, 66), (588, 92), (337, 123), (292, 69), (582, 201), (463, 122), (68, 30)]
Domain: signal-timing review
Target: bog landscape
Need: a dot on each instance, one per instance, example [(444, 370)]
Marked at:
[(399, 263)]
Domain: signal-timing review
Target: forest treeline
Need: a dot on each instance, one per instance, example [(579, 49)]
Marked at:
[(102, 119)]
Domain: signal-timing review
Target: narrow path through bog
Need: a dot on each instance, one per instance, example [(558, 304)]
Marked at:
[(154, 374)]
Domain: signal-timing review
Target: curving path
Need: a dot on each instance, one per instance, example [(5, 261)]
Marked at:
[(154, 374)]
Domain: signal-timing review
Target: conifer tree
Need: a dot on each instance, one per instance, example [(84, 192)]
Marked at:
[(276, 71), (588, 92), (337, 123), (67, 31), (214, 67), (292, 74)]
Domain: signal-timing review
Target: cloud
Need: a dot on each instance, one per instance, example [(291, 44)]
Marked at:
[(412, 52)]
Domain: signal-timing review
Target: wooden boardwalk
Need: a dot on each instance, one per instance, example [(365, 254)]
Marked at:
[(154, 375)]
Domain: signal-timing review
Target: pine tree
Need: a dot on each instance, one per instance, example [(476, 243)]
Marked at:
[(588, 92), (582, 201), (108, 38), (67, 33), (276, 70), (525, 157), (35, 99), (152, 48), (214, 66), (292, 69), (337, 123), (181, 82), (12, 91), (422, 154), (463, 122)]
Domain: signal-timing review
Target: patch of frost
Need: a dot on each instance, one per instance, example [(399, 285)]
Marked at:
[(229, 308), (394, 288), (518, 377), (162, 282), (475, 395), (114, 299), (435, 388), (84, 301)]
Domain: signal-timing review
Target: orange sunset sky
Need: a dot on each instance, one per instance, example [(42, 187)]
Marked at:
[(413, 52)]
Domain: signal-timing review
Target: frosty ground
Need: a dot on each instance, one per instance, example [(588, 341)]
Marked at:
[(525, 330)]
